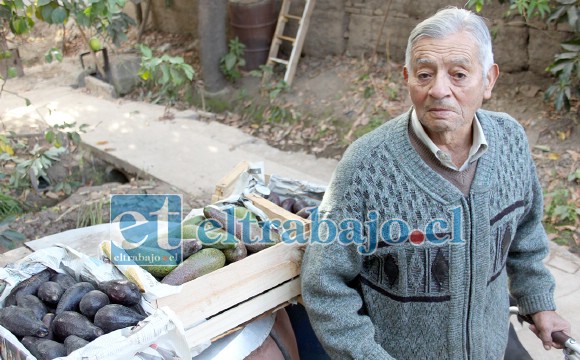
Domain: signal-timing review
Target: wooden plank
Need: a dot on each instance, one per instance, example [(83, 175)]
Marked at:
[(242, 313), (226, 184), (13, 255), (85, 240), (221, 289), (300, 36), (276, 212)]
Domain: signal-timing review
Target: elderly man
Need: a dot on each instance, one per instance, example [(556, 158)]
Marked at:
[(431, 217)]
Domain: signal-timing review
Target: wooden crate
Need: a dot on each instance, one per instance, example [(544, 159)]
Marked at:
[(224, 300)]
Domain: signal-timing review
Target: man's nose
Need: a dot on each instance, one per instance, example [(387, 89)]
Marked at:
[(440, 86)]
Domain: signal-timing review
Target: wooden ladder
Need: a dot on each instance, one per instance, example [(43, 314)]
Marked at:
[(297, 42)]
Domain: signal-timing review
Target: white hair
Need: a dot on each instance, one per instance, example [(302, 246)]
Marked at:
[(450, 21)]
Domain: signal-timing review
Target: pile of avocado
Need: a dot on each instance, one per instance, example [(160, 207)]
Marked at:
[(220, 236), (53, 315)]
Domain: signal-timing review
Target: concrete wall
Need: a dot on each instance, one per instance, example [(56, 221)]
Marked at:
[(357, 27)]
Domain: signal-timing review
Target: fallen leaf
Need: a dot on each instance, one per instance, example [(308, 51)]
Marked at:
[(109, 149), (543, 148), (102, 142), (51, 195), (553, 156), (563, 135), (565, 227), (575, 155)]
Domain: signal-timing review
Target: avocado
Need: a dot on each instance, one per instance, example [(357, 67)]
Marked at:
[(287, 204), (72, 323), (49, 349), (241, 213), (274, 198), (28, 286), (22, 322), (115, 316), (50, 292), (47, 320), (201, 263), (190, 247), (73, 342), (121, 291), (155, 261), (71, 298), (92, 302), (194, 220), (218, 239), (33, 303), (236, 254), (64, 280)]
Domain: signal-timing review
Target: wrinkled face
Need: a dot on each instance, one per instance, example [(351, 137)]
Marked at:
[(445, 82)]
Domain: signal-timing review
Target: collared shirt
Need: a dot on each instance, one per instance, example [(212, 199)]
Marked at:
[(478, 146)]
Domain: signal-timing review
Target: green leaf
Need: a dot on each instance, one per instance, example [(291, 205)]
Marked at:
[(176, 76), (230, 61), (19, 4), (43, 2), (13, 235), (18, 26), (49, 136), (189, 72), (571, 47), (46, 12), (75, 137), (27, 101), (59, 15), (165, 70), (146, 51)]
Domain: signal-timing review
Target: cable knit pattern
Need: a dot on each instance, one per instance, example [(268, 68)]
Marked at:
[(422, 299)]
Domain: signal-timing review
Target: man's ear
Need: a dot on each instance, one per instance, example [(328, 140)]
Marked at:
[(405, 74), (491, 78)]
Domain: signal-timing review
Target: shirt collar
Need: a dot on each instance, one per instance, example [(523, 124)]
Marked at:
[(478, 146)]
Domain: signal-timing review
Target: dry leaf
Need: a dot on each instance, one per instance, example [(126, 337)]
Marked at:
[(543, 148), (565, 227), (575, 156), (553, 156), (102, 142), (109, 149), (563, 135)]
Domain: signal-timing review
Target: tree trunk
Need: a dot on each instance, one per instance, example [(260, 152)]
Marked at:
[(213, 43)]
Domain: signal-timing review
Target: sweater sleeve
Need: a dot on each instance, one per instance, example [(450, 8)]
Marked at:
[(531, 282), (329, 269)]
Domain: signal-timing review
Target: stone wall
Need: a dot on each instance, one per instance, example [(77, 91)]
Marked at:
[(358, 27)]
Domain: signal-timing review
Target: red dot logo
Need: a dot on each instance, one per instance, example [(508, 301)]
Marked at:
[(417, 237), (165, 258)]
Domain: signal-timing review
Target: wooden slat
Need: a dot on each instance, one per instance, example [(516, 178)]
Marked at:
[(226, 183), (275, 47), (242, 313), (221, 289), (279, 61), (300, 37), (286, 38), (293, 17), (276, 212), (13, 255)]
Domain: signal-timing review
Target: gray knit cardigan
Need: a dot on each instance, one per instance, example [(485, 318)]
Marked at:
[(440, 299)]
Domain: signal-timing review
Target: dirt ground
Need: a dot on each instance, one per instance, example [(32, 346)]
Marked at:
[(331, 102)]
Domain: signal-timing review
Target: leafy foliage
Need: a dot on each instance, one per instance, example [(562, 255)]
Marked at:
[(32, 162), (566, 65), (166, 77), (233, 61)]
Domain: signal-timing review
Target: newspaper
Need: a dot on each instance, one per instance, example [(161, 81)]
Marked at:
[(160, 335)]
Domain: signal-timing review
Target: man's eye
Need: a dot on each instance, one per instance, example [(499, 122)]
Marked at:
[(423, 76), (460, 75)]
